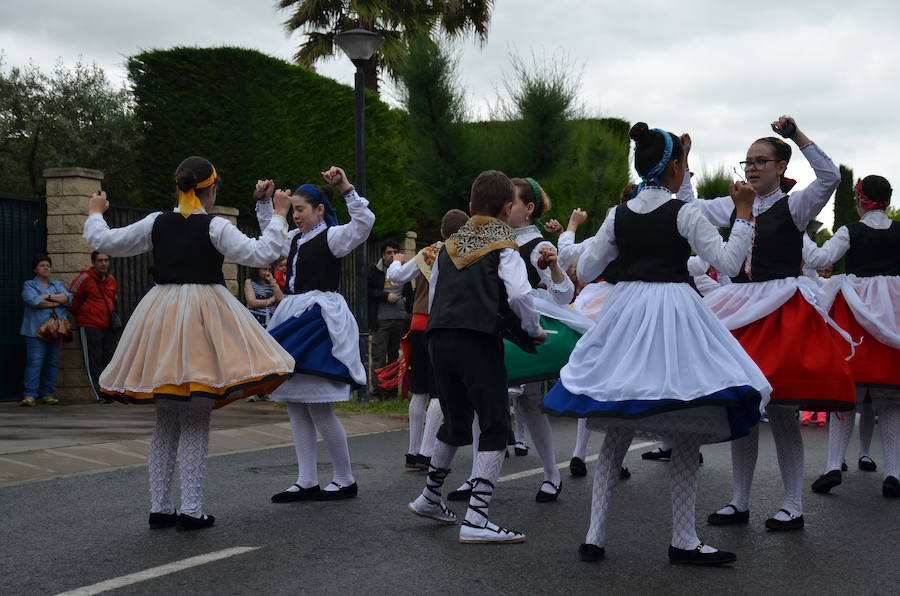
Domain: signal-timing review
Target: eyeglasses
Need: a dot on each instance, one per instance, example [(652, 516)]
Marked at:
[(759, 164)]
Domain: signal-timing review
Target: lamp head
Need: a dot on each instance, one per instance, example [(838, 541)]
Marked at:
[(358, 44)]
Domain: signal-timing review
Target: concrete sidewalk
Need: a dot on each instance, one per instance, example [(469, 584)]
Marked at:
[(52, 441)]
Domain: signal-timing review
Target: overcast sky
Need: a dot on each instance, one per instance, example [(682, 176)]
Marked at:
[(721, 70)]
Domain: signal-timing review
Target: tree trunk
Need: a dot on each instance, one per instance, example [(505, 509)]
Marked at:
[(370, 74)]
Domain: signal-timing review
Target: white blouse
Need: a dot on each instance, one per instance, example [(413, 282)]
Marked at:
[(562, 292), (838, 245), (341, 239), (136, 238), (726, 257)]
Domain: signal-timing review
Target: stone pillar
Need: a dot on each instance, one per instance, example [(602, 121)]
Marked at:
[(229, 268), (68, 192), (409, 244)]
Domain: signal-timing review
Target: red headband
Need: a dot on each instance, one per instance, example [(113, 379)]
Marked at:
[(865, 201)]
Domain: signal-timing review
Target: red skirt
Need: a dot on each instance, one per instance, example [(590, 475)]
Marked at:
[(796, 350), (875, 364)]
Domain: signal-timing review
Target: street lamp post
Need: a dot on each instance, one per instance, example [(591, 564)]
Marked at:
[(360, 45)]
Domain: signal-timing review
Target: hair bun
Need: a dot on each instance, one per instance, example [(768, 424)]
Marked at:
[(186, 180), (639, 132)]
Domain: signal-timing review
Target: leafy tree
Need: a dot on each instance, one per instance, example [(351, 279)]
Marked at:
[(893, 213), (69, 117), (822, 236), (845, 200), (398, 21)]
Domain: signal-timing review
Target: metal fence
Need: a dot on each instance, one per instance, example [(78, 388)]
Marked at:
[(132, 273), (23, 233)]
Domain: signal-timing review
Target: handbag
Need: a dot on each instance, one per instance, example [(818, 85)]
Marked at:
[(115, 321), (54, 328)]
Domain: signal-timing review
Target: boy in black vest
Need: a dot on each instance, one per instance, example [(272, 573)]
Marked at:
[(476, 273)]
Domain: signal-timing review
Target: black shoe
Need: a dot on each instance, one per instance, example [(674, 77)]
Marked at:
[(891, 487), (624, 473), (186, 522), (844, 466), (422, 462), (866, 464), (291, 496), (411, 461), (701, 459), (343, 492), (681, 556), (727, 519), (542, 497), (463, 494), (577, 468), (161, 521), (795, 523), (658, 454), (520, 448), (591, 552), (827, 481)]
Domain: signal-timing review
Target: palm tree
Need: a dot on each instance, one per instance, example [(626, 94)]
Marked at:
[(396, 20)]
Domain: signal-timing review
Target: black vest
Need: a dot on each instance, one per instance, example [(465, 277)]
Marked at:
[(183, 252), (317, 267), (610, 274), (777, 250), (650, 247), (873, 252), (468, 298), (525, 250)]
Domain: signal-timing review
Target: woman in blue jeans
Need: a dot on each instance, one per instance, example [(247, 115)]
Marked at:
[(43, 297)]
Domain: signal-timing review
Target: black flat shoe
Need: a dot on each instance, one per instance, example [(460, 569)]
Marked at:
[(343, 492), (795, 523), (292, 496), (591, 552), (161, 521), (866, 464), (701, 459), (577, 467), (422, 462), (521, 449), (463, 494), (681, 556), (186, 522), (410, 461), (624, 473), (891, 487), (542, 497), (827, 481), (727, 519), (658, 454)]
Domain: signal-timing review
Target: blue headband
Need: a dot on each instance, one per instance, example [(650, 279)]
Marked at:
[(652, 176), (330, 216)]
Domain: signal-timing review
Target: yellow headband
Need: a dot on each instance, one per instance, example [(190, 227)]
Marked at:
[(188, 201)]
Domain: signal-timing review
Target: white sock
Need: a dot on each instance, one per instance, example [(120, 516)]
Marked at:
[(438, 470), (194, 448), (418, 404), (683, 483), (476, 432), (434, 418), (539, 429), (335, 439), (161, 459), (889, 424), (304, 432), (615, 446), (789, 448), (487, 471), (743, 464), (840, 428), (866, 427), (582, 436)]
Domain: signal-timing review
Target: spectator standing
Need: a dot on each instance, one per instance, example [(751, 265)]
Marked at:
[(262, 294), (42, 297), (93, 304), (387, 309)]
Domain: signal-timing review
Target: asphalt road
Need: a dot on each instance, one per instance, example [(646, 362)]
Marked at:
[(63, 534)]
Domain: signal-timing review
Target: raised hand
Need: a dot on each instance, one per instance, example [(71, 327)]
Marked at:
[(98, 203), (337, 177), (282, 202), (264, 190), (743, 195), (578, 217), (553, 227)]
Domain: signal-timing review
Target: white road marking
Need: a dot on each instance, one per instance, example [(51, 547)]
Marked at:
[(79, 457), (154, 572), (27, 465), (563, 464)]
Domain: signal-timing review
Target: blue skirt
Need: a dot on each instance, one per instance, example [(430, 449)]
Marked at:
[(306, 339)]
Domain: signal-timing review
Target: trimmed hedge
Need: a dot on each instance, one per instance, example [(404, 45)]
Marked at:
[(255, 116)]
